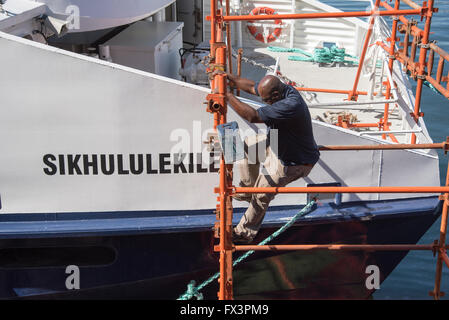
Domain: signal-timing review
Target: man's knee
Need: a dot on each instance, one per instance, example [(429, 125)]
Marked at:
[(263, 199)]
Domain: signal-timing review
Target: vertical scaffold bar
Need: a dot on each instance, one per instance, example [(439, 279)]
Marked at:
[(422, 64), (436, 293), (228, 38), (390, 67), (218, 85), (213, 13), (225, 246), (239, 66), (353, 93)]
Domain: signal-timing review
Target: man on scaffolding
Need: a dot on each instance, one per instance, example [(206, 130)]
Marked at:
[(287, 114)]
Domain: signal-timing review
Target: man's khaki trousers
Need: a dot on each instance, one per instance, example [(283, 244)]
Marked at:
[(273, 174)]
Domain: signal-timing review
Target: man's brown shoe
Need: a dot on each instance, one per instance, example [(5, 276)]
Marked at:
[(239, 239)]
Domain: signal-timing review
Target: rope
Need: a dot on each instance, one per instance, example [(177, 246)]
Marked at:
[(193, 291), (428, 84), (432, 87), (295, 50), (320, 55)]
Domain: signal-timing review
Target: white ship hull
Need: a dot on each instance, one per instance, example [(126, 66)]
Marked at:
[(59, 103), (88, 159)]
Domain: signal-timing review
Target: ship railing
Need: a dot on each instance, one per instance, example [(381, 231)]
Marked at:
[(417, 69), (417, 53), (220, 51)]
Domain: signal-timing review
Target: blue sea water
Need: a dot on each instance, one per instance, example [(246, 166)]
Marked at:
[(414, 277)]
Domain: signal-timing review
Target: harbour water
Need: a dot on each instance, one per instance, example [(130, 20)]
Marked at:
[(414, 277)]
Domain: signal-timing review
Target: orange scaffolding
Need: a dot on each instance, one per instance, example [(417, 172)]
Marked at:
[(420, 70)]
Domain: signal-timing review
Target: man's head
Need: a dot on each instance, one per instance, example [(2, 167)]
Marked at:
[(270, 89)]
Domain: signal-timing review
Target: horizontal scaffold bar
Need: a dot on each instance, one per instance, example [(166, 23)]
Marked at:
[(398, 146), (360, 93), (320, 15), (440, 51), (412, 4), (341, 190), (415, 30), (409, 63), (373, 247)]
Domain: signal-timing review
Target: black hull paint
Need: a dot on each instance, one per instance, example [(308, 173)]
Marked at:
[(160, 265)]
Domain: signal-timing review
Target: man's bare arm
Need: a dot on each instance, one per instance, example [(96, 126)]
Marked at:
[(244, 84), (243, 110)]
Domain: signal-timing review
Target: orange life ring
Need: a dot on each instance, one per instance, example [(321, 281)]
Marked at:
[(254, 30)]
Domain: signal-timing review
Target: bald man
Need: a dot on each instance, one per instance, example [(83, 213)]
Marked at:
[(296, 152)]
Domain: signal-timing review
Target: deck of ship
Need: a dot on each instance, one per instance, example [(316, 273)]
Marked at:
[(338, 77)]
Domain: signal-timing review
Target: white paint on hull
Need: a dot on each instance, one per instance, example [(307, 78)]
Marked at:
[(57, 102)]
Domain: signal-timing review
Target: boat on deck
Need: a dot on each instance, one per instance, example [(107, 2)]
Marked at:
[(103, 165)]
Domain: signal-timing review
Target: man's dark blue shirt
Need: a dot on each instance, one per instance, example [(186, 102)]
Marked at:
[(291, 117)]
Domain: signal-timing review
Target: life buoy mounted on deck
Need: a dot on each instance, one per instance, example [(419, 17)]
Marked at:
[(257, 32)]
